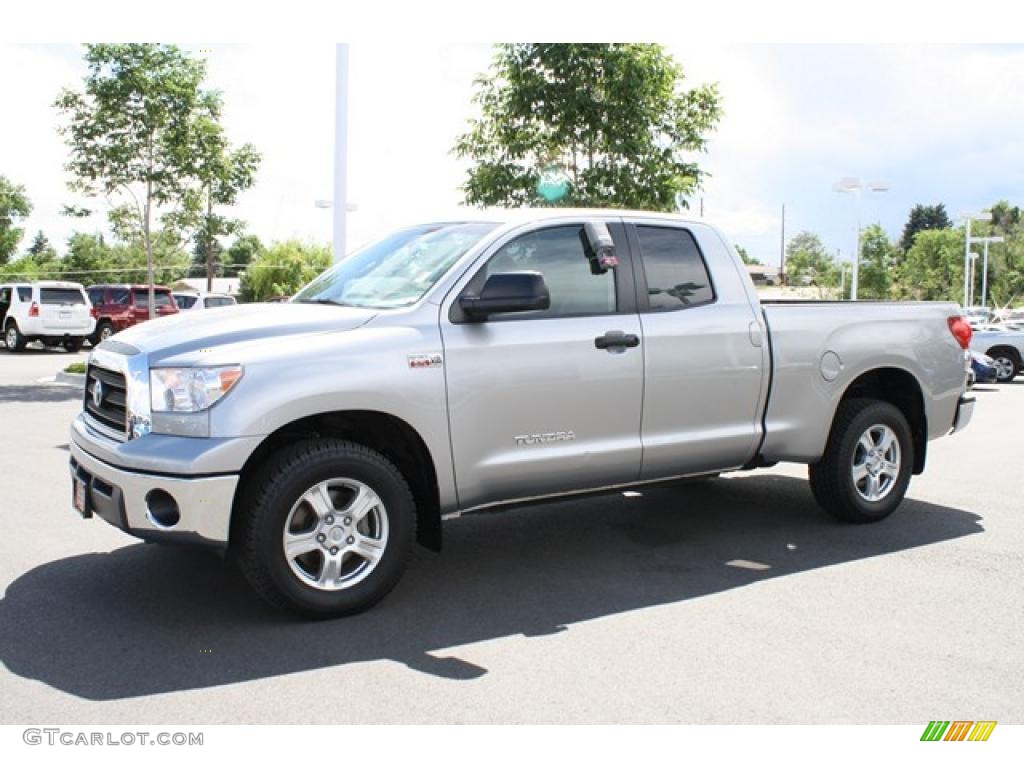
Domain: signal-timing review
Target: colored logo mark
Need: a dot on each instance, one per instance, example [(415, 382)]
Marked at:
[(958, 730)]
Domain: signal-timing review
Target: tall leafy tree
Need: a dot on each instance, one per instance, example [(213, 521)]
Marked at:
[(221, 172), (876, 264), (923, 217), (14, 206), (128, 132), (808, 262), (242, 251), (282, 269), (933, 268), (614, 121), (41, 246)]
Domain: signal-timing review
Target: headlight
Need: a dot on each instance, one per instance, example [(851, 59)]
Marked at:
[(189, 390)]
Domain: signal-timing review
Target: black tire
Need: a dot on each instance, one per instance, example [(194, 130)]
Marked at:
[(73, 344), (104, 326), (13, 338), (831, 478), (280, 482), (1008, 363)]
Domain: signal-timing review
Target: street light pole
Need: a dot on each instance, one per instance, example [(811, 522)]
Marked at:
[(340, 151), (967, 217), (984, 267), (856, 186)]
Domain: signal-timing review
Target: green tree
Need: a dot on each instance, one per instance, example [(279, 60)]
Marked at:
[(933, 268), (1006, 259), (129, 129), (86, 257), (282, 269), (809, 263), (614, 119), (14, 206), (242, 251), (41, 247), (923, 217), (222, 173), (876, 264), (747, 258)]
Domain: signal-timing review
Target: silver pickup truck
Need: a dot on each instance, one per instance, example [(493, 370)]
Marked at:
[(462, 365)]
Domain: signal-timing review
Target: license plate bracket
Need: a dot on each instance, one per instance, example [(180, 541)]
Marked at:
[(80, 497)]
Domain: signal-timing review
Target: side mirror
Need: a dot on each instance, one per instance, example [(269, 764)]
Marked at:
[(507, 292), (600, 247)]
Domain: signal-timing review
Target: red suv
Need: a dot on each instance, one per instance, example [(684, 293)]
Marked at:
[(117, 307)]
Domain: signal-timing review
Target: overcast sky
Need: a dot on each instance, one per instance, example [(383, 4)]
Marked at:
[(938, 123)]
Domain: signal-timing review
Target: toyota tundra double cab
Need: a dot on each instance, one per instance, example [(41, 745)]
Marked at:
[(463, 365)]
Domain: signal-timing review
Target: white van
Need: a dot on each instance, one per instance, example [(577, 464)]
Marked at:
[(55, 313)]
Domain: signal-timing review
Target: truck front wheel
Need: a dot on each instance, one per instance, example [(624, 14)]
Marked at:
[(327, 529), (868, 460)]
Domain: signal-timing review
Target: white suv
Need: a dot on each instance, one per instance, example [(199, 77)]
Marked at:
[(202, 300), (55, 313)]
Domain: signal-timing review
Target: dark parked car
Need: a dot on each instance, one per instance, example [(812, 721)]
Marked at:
[(984, 368), (117, 307)]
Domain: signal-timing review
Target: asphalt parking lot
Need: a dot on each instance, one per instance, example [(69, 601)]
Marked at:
[(735, 601)]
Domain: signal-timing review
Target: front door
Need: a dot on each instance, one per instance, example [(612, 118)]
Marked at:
[(537, 405)]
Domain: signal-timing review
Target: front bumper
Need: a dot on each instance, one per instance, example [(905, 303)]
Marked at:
[(964, 413), (126, 500)]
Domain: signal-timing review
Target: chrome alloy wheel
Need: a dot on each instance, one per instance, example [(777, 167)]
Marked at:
[(12, 337), (1005, 368), (876, 463), (335, 534)]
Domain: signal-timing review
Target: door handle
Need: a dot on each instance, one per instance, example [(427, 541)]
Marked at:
[(616, 339)]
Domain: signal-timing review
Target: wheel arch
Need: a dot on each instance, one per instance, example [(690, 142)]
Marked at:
[(902, 389), (389, 435)]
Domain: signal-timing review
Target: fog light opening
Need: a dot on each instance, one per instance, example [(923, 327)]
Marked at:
[(162, 509)]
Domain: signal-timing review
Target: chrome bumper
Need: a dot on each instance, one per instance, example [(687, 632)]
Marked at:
[(964, 412), (120, 497)]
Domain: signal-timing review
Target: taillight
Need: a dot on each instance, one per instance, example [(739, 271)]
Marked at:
[(94, 312), (961, 331), (33, 311)]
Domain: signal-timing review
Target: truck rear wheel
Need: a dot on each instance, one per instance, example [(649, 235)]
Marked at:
[(868, 460), (327, 530)]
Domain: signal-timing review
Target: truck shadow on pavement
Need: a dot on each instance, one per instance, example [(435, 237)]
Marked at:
[(146, 619)]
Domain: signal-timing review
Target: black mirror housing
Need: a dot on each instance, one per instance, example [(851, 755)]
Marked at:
[(507, 292)]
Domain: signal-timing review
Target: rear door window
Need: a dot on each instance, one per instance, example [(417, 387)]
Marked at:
[(676, 274), (61, 296), (185, 302), (160, 299), (25, 292)]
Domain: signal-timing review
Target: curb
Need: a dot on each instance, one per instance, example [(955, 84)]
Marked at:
[(71, 379)]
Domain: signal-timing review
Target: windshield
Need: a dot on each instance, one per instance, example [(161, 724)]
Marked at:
[(395, 271)]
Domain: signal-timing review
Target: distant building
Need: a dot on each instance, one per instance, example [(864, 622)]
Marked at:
[(763, 274)]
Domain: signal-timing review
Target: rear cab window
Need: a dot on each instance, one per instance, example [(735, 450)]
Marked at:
[(676, 275)]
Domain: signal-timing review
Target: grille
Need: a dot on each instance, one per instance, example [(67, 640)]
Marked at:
[(111, 413)]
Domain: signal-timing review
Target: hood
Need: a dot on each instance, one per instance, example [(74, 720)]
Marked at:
[(209, 329)]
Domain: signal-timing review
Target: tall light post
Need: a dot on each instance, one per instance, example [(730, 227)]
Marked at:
[(973, 257), (855, 187), (984, 266), (968, 218), (340, 150)]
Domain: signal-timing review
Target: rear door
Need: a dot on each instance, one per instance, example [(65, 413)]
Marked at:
[(535, 406), (704, 358), (63, 309)]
